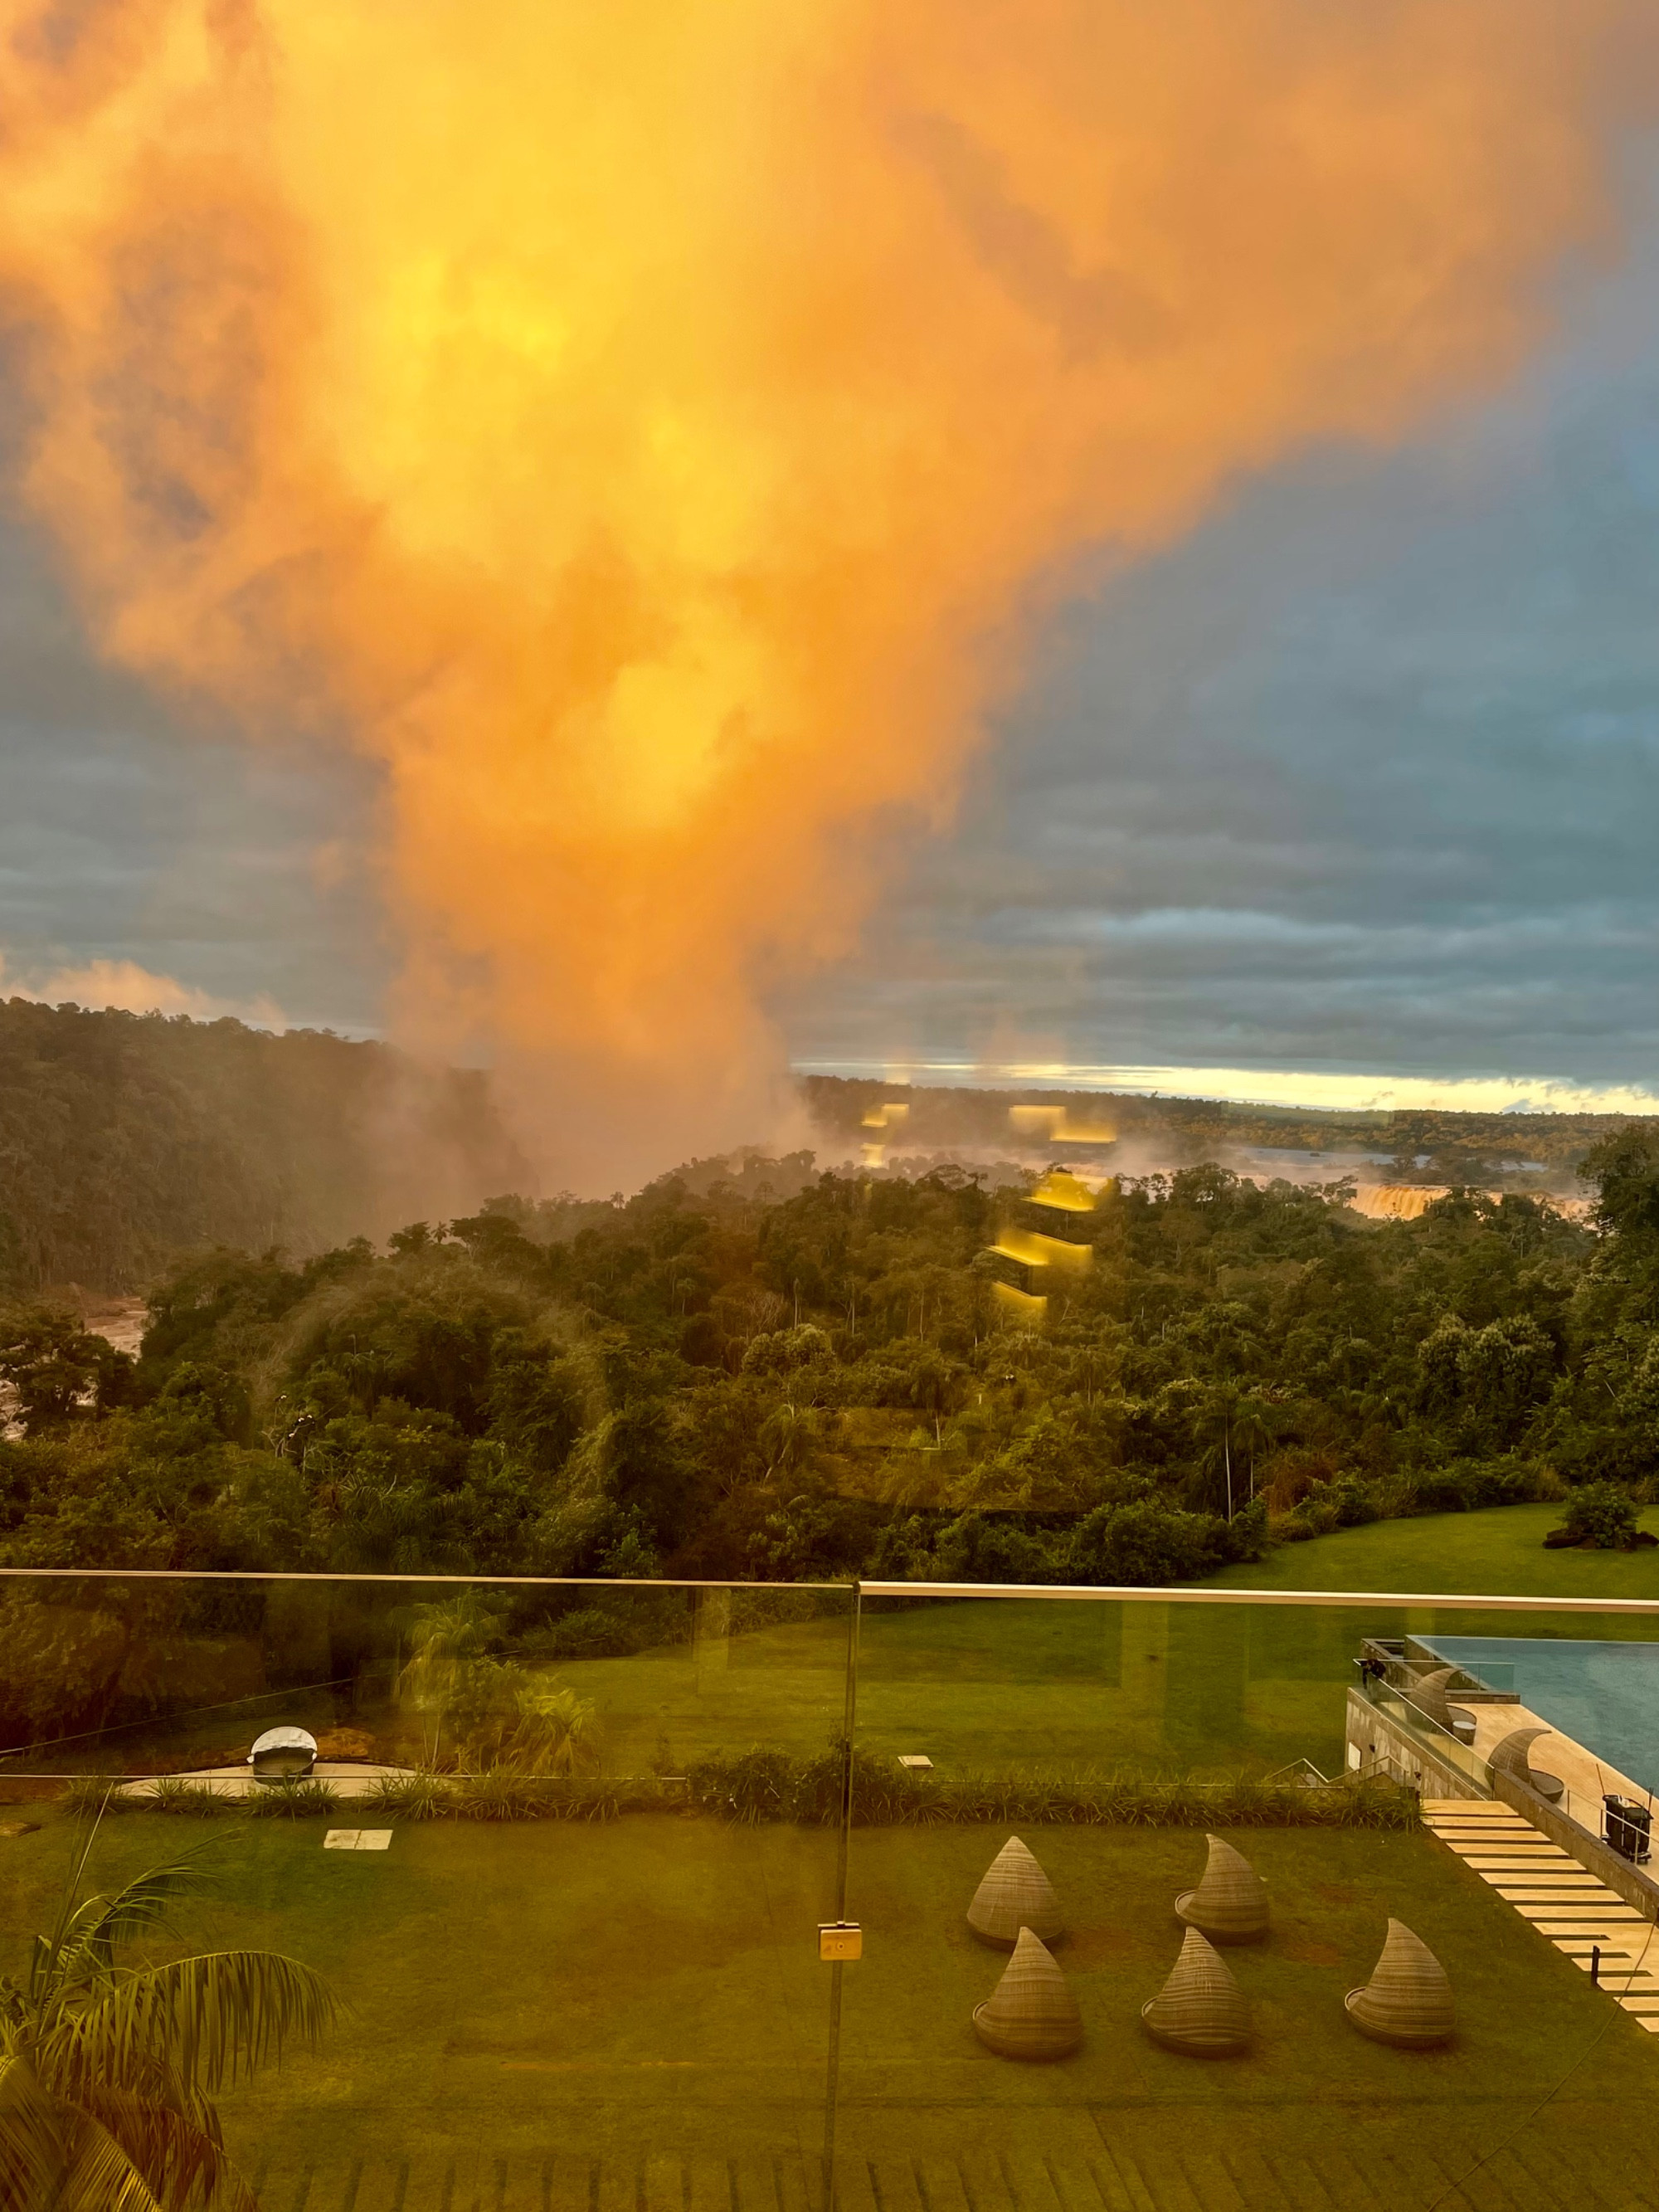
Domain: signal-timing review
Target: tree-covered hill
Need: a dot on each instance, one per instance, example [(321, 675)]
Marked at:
[(125, 1140), (704, 1381)]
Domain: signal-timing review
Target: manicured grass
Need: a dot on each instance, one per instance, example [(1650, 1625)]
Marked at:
[(650, 1991), (1497, 1553)]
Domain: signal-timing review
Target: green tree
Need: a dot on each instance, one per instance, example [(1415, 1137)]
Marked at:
[(1624, 1170), (51, 1363)]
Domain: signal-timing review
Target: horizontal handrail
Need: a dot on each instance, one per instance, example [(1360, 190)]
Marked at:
[(1201, 1594), (1116, 1593)]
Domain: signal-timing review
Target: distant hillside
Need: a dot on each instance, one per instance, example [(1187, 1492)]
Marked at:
[(125, 1138), (1110, 1133)]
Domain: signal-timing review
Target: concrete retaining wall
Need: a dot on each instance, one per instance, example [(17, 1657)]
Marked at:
[(1637, 1888), (1382, 1744)]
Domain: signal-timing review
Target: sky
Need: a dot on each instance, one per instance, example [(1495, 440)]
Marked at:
[(1352, 793)]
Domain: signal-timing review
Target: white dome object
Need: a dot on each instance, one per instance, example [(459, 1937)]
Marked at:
[(282, 1754)]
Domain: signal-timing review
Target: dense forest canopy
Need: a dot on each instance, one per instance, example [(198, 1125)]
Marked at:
[(720, 1381), (127, 1138)]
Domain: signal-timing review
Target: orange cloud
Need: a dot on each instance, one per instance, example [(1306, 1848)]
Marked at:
[(647, 431)]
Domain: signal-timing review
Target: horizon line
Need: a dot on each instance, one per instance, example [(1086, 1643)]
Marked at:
[(1310, 1090)]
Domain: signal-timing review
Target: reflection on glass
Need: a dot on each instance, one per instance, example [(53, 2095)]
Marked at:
[(1412, 2020), (1286, 1923), (538, 1857)]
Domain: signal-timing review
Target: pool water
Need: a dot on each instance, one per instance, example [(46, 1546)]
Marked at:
[(1605, 1696)]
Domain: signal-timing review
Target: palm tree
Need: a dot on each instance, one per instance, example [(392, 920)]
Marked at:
[(107, 2072), (448, 1672), (553, 1732)]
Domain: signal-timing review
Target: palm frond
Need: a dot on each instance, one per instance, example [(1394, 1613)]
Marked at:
[(53, 2154), (98, 2176), (218, 2017), (179, 2154), (34, 2151), (82, 1946)]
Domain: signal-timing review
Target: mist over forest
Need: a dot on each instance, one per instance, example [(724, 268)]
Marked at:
[(127, 1140), (764, 1368)]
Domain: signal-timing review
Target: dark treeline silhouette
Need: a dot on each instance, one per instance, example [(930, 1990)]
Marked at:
[(127, 1138)]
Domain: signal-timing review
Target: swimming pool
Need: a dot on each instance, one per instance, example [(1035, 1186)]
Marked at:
[(1605, 1696)]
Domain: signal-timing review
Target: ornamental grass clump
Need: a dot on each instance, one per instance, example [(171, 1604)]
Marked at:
[(418, 1795), (764, 1785), (89, 1796), (752, 1787), (194, 1799), (500, 1794), (291, 1800)]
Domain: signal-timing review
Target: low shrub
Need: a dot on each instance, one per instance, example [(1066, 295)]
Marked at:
[(768, 1785), (1469, 1486), (421, 1795), (506, 1793), (89, 1795), (498, 1795), (195, 1799), (754, 1786), (1601, 1515), (290, 1800)]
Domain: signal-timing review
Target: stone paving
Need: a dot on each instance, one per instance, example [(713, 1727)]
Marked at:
[(1547, 1886), (1108, 2161)]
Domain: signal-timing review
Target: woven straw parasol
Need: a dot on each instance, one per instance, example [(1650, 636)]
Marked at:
[(1015, 1893), (1408, 2000), (1229, 1905), (1428, 1694), (1509, 1757), (1030, 2014), (1200, 2010)]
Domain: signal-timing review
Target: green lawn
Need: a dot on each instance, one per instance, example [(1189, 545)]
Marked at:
[(1497, 1553), (632, 2018)]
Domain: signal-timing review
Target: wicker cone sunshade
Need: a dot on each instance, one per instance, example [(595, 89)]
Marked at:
[(1200, 2010), (1030, 2014), (1015, 1893), (1428, 1694), (1229, 1905), (1408, 2000), (1510, 1757)]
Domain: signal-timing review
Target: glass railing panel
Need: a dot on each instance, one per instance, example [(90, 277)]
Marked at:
[(1112, 1736), (562, 1859), (1153, 1687)]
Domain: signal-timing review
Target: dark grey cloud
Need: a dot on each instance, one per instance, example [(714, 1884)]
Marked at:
[(1363, 774), (129, 833)]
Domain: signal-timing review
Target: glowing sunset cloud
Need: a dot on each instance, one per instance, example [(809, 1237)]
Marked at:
[(646, 428)]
